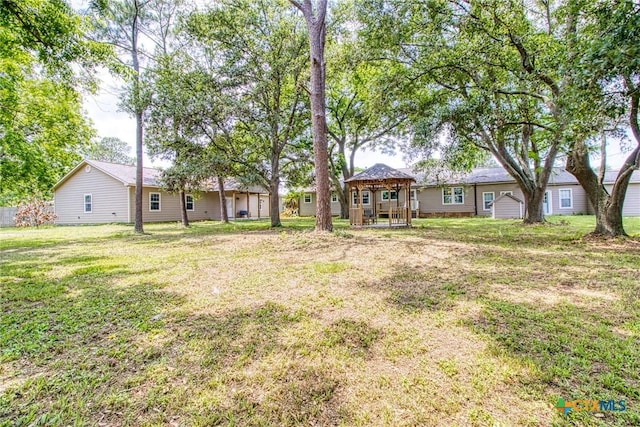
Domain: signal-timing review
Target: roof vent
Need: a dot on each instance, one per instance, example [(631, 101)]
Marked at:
[(87, 168)]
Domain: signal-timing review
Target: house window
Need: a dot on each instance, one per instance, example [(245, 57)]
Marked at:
[(154, 201), (502, 193), (365, 198), (334, 197), (307, 198), (566, 198), (487, 199), (188, 200), (453, 196), (385, 195), (88, 203)]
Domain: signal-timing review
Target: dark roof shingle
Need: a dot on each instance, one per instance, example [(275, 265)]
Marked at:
[(380, 171)]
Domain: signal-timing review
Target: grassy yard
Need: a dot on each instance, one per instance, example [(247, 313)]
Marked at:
[(454, 322)]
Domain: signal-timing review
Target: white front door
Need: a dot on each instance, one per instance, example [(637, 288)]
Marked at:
[(230, 212), (414, 200), (546, 203)]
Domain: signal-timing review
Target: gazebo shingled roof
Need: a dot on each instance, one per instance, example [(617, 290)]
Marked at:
[(380, 172)]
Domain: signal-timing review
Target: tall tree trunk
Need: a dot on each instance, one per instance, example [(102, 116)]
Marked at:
[(224, 215), (274, 189), (607, 207), (139, 179), (343, 198), (135, 30), (317, 33), (534, 212), (274, 202), (183, 209)]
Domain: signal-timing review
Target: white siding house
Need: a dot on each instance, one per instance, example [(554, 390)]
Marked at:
[(99, 192)]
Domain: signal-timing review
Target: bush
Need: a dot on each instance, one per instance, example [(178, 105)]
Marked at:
[(34, 212)]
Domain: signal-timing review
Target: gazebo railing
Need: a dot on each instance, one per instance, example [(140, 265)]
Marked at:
[(355, 216), (398, 215)]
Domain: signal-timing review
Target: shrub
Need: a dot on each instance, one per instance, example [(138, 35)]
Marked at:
[(34, 212)]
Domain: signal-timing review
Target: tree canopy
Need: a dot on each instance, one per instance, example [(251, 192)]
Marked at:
[(45, 59)]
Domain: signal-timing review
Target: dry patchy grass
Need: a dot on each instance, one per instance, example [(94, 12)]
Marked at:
[(454, 322)]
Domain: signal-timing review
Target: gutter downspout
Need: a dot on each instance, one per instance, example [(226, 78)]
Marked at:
[(128, 204), (475, 198)]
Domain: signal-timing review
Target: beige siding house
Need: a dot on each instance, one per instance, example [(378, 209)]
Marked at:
[(475, 193), (98, 192), (307, 204)]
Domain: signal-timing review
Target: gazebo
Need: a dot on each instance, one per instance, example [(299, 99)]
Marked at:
[(389, 182)]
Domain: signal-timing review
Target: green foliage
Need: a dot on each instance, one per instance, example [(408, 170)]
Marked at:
[(110, 149), (42, 129), (257, 51), (489, 75), (44, 55), (50, 33), (292, 201)]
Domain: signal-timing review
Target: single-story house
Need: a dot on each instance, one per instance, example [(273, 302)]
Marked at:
[(479, 192), (99, 192)]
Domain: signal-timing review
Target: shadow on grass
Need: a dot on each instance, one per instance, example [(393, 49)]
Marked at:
[(411, 289), (250, 376), (130, 356), (580, 353), (574, 315)]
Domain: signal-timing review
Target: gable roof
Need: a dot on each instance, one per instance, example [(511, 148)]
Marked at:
[(126, 174), (379, 172), (506, 195)]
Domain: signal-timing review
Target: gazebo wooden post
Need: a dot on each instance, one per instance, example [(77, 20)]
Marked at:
[(248, 205), (407, 198), (360, 187), (352, 218), (388, 187), (372, 200), (398, 199), (349, 198)]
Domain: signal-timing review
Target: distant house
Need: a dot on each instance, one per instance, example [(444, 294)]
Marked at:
[(480, 192), (98, 192)]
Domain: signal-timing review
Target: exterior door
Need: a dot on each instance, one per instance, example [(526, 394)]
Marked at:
[(230, 211), (546, 203)]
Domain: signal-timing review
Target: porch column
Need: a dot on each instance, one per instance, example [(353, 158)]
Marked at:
[(373, 201), (408, 198), (389, 189), (360, 187), (233, 204), (349, 199)]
